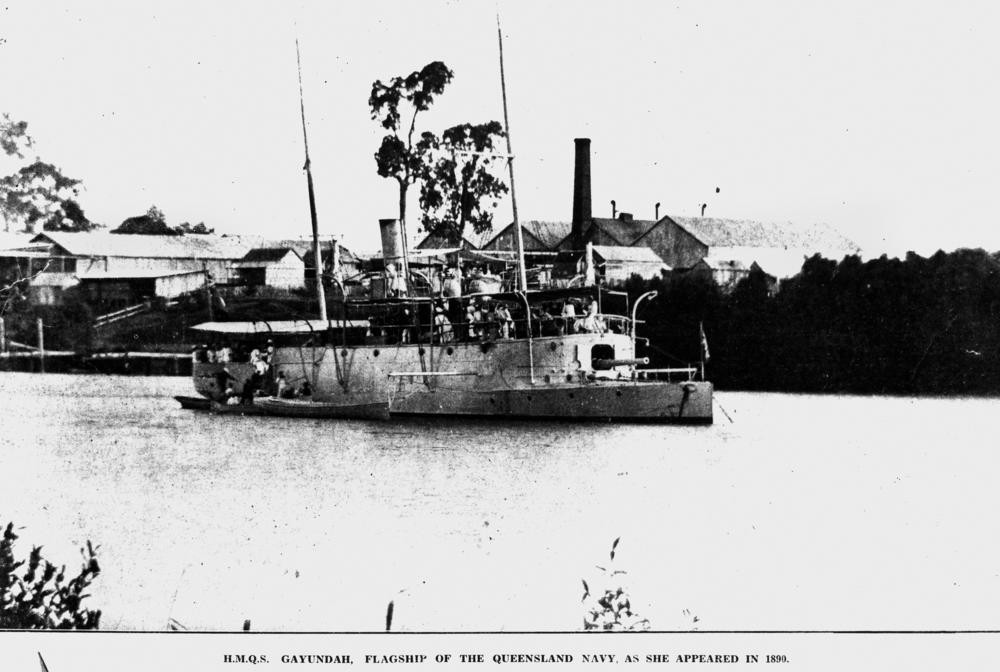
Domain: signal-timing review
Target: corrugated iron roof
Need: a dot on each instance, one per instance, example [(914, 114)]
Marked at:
[(626, 231), (14, 241), (472, 239), (133, 274), (718, 232), (549, 233), (268, 254), (105, 244), (625, 254), (477, 240), (304, 246)]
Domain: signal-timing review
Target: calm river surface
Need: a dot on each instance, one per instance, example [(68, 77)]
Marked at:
[(805, 512)]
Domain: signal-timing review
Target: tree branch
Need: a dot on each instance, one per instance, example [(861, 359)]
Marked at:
[(7, 293)]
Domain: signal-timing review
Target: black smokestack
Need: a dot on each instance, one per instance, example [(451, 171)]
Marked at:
[(582, 213)]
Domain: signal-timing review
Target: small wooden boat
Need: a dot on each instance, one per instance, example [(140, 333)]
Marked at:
[(305, 408), (237, 409), (194, 403)]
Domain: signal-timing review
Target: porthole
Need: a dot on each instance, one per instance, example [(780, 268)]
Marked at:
[(420, 351), (450, 350), (343, 353), (375, 353), (552, 347)]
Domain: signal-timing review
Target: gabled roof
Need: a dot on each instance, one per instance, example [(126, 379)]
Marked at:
[(304, 246), (104, 244), (269, 254), (717, 232), (477, 240), (435, 241), (548, 233), (625, 231), (471, 239), (626, 254)]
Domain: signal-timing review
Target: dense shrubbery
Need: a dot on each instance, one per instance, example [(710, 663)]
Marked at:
[(38, 595), (917, 325), (67, 327)]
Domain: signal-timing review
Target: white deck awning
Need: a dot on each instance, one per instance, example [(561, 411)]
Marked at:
[(277, 326)]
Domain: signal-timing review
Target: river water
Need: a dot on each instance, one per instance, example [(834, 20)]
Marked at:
[(804, 512)]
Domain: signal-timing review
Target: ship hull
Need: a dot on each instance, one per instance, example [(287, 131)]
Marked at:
[(550, 378), (681, 403)]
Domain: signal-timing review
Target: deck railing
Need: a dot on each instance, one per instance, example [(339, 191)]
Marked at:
[(491, 330), (668, 374)]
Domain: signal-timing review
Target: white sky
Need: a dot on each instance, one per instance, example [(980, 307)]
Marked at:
[(879, 120)]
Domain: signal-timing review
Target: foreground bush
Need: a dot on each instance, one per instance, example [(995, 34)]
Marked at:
[(34, 595)]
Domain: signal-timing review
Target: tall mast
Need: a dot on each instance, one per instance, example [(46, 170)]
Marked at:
[(521, 275), (317, 255)]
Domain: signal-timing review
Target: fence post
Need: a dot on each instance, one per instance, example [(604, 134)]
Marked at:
[(3, 336), (41, 346)]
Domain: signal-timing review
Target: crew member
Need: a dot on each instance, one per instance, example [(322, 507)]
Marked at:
[(442, 325), (503, 318)]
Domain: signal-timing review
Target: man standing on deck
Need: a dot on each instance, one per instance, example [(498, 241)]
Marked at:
[(472, 318), (442, 325), (502, 315)]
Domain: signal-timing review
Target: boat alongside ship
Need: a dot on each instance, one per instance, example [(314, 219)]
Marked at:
[(312, 408)]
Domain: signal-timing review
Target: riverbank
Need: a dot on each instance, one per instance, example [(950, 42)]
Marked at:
[(123, 363)]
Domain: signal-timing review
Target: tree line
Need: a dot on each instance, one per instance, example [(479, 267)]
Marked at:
[(885, 326), (38, 196)]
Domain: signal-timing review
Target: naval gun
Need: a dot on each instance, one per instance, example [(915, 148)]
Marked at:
[(607, 364)]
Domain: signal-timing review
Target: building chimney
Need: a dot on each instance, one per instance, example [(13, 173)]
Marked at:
[(656, 216), (582, 213), (614, 209)]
